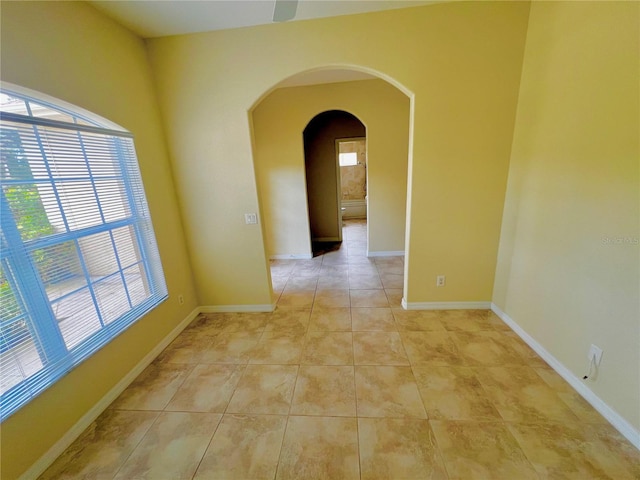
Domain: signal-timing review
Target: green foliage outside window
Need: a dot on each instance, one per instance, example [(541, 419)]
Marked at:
[(32, 222)]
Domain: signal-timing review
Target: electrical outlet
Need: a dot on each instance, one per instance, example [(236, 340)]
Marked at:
[(250, 218), (180, 299), (440, 280), (595, 353)]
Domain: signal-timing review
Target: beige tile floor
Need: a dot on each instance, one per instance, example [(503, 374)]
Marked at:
[(341, 383)]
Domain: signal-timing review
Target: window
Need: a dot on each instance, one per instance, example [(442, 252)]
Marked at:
[(348, 159), (79, 261)]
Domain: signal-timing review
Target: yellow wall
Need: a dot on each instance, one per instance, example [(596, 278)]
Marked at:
[(71, 52), (460, 61), (569, 255), (278, 122), (573, 178)]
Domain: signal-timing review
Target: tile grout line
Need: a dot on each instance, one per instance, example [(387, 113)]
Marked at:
[(451, 334)]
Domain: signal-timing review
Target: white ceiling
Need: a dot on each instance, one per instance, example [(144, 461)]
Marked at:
[(159, 18)]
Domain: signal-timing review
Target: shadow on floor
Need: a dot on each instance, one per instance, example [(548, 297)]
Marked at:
[(320, 248)]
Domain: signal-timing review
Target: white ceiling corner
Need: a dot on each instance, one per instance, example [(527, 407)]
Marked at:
[(160, 18)]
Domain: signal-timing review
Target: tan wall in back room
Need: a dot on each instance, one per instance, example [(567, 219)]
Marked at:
[(321, 170), (353, 178)]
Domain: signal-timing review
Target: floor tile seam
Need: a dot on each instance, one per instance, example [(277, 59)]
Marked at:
[(439, 450), (411, 364), (226, 407), (307, 415), (424, 405), (414, 381), (213, 412), (133, 449), (300, 290), (374, 331), (403, 417), (448, 334), (532, 464), (293, 390), (390, 417), (369, 364), (355, 394), (223, 363), (489, 392), (387, 307), (459, 342), (316, 364), (204, 453), (192, 367), (591, 439), (303, 278), (359, 450), (261, 414), (284, 436), (497, 421), (296, 362), (235, 388), (277, 299)]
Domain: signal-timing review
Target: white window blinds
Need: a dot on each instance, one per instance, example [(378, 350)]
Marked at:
[(79, 261)]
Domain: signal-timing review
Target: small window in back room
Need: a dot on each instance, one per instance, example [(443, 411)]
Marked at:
[(348, 159), (78, 257)]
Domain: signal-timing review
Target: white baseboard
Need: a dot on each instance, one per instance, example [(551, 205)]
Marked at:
[(326, 239), (619, 423), (445, 305), (388, 253), (269, 307), (293, 256), (81, 425)]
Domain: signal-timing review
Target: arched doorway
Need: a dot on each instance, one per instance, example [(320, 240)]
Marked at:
[(278, 121), (325, 189)]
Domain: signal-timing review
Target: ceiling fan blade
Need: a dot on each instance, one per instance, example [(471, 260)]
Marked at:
[(285, 10)]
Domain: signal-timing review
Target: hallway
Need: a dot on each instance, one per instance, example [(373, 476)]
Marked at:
[(341, 382)]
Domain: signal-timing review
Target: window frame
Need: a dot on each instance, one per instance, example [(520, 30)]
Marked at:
[(27, 284)]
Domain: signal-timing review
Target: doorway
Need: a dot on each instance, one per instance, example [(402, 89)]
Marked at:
[(352, 160), (279, 160), (323, 174)]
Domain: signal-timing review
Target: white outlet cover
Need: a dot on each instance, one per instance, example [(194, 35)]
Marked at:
[(250, 218), (595, 352)]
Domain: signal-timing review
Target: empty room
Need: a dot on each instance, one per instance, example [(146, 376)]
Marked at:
[(317, 240)]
